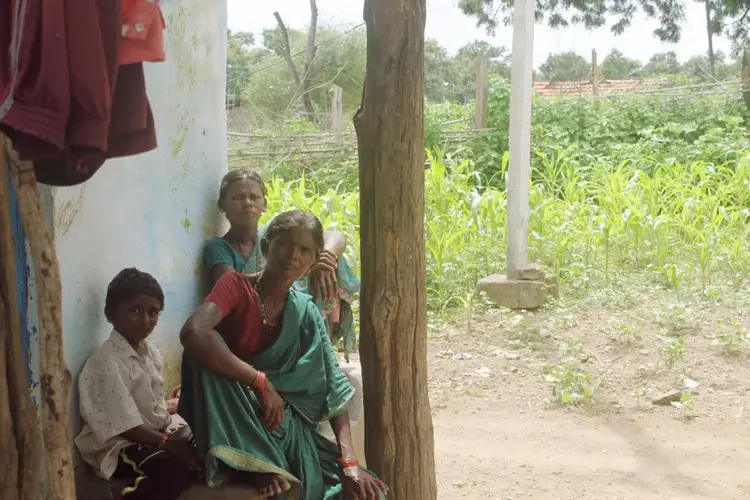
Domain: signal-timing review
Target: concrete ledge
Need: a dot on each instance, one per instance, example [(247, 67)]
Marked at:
[(519, 293)]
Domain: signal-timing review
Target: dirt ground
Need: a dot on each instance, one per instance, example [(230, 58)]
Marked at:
[(499, 434)]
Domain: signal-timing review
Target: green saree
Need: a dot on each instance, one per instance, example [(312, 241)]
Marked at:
[(225, 415)]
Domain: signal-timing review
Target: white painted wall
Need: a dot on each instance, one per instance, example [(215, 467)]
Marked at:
[(154, 210)]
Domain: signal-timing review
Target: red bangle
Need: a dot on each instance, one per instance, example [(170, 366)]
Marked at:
[(348, 462), (259, 387), (164, 440)]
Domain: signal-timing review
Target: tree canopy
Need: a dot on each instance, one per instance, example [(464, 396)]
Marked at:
[(567, 66), (618, 67), (589, 13)]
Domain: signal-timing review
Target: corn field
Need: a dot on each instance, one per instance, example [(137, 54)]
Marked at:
[(670, 198)]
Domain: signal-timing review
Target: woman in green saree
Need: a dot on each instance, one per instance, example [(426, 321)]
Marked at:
[(333, 284), (254, 393)]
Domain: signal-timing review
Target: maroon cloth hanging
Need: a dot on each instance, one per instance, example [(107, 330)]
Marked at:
[(74, 106)]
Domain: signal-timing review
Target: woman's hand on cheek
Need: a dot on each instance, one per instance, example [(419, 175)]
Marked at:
[(324, 276)]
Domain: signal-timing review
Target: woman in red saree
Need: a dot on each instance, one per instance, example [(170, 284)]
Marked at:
[(255, 392)]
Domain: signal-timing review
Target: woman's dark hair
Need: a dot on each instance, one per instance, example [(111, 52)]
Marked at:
[(128, 284), (292, 221), (239, 174)]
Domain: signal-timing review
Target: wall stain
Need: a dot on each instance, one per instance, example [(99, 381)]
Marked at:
[(186, 224), (65, 216)]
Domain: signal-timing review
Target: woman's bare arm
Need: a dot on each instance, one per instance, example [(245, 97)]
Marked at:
[(343, 432), (200, 341)]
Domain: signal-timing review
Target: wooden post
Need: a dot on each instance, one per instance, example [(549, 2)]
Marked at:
[(20, 437), (746, 78), (54, 376), (337, 109), (519, 169), (594, 72), (393, 311), (482, 97)]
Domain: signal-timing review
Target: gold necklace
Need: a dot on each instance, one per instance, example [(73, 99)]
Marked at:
[(263, 310)]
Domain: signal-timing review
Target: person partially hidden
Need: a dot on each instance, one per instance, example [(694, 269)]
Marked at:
[(126, 422)]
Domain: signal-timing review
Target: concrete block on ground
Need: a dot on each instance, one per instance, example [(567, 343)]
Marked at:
[(519, 293)]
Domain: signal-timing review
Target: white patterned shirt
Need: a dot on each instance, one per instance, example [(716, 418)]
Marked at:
[(119, 389)]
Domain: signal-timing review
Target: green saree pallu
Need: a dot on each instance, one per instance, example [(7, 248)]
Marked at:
[(226, 416)]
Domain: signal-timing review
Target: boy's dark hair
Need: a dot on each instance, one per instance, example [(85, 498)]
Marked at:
[(294, 220), (235, 175), (127, 284)]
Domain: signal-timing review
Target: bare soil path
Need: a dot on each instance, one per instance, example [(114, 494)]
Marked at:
[(499, 434)]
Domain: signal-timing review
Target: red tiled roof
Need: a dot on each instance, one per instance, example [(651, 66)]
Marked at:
[(606, 87)]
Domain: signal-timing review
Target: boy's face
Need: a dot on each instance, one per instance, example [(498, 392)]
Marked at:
[(136, 318)]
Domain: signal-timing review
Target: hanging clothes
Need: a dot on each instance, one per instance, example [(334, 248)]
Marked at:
[(10, 38), (142, 32), (75, 106)]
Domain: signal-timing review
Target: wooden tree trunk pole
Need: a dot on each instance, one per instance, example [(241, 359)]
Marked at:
[(594, 72), (519, 169), (710, 34), (24, 455), (55, 378), (390, 132), (482, 93), (9, 487), (337, 110), (745, 85)]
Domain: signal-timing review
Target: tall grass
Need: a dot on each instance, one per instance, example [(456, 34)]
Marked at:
[(687, 223)]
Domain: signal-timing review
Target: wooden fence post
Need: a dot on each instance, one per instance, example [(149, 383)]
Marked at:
[(746, 78), (337, 109), (594, 72), (482, 98)]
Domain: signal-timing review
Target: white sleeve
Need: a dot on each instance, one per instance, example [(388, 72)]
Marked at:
[(106, 403)]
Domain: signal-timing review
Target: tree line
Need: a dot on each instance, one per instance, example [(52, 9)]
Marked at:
[(288, 73)]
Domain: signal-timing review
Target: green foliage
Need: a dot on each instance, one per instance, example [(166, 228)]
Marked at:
[(645, 186), (454, 78), (567, 66), (618, 67), (673, 351), (571, 385), (589, 13), (661, 63), (259, 78)]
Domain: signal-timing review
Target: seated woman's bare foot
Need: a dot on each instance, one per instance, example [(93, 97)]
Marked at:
[(270, 485)]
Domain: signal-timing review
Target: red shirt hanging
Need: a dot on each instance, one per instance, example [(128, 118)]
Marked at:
[(142, 32), (75, 106)]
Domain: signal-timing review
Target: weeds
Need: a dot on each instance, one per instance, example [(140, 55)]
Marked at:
[(673, 351), (732, 342)]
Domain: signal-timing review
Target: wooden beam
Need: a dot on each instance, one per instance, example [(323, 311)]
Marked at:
[(482, 93), (393, 305), (519, 170), (337, 109), (25, 455), (54, 376), (594, 72)]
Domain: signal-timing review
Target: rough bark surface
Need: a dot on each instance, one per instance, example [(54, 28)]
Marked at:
[(55, 378), (393, 345), (8, 448), (28, 445)]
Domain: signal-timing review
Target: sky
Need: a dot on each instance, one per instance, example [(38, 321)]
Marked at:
[(452, 29)]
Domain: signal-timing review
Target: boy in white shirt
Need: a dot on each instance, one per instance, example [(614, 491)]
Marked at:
[(121, 390)]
